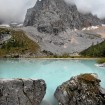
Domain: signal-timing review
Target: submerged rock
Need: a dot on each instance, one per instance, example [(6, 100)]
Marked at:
[(83, 89), (101, 65), (21, 91)]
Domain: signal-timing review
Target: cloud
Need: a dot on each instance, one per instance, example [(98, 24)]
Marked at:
[(14, 10), (96, 7)]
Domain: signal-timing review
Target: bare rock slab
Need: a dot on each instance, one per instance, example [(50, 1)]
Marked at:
[(22, 91)]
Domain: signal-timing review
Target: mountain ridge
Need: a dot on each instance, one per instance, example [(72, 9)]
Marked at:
[(57, 27), (53, 16)]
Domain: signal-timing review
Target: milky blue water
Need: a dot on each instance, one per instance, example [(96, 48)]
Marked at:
[(53, 71)]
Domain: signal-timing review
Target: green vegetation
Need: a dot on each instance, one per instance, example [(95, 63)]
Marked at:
[(4, 31), (62, 56), (88, 82), (91, 81), (101, 61), (19, 43), (95, 50), (87, 77)]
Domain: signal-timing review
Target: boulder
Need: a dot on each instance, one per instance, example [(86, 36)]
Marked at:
[(21, 91), (83, 89)]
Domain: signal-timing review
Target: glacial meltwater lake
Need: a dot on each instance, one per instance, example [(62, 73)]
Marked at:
[(53, 71)]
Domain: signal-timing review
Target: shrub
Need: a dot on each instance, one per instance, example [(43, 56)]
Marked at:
[(100, 61), (95, 50), (19, 43)]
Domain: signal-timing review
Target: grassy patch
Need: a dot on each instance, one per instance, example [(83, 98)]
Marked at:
[(82, 84), (101, 61), (18, 44), (91, 82), (87, 77), (4, 31)]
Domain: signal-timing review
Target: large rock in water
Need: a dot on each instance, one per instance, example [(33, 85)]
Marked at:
[(81, 90), (21, 92), (53, 16)]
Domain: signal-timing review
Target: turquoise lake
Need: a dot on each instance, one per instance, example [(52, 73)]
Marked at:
[(53, 71)]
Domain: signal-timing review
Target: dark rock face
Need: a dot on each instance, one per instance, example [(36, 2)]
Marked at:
[(53, 16), (22, 92), (1, 21), (5, 35), (103, 21), (81, 90)]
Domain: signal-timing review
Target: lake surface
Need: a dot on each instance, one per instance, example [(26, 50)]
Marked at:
[(53, 71)]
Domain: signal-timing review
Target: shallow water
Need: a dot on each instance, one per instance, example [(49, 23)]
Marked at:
[(53, 71)]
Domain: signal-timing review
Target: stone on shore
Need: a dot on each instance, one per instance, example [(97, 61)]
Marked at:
[(83, 89), (21, 91)]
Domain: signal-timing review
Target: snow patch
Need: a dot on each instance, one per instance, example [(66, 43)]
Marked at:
[(103, 25), (4, 25), (90, 28)]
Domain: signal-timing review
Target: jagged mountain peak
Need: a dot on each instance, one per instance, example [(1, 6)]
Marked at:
[(53, 16)]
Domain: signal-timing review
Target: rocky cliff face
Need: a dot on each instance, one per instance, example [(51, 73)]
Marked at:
[(5, 35), (53, 16), (81, 90), (54, 24), (21, 92), (103, 21)]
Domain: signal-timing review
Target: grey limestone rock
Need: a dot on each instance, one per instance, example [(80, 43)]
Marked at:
[(66, 42), (53, 16), (52, 24), (4, 36), (21, 91), (83, 89)]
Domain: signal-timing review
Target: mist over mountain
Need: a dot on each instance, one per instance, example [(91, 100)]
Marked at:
[(96, 7), (15, 10), (57, 27), (56, 16)]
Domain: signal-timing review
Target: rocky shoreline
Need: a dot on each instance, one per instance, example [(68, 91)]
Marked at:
[(21, 91), (82, 89)]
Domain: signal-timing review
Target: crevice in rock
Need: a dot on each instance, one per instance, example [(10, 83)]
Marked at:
[(19, 100), (1, 92), (21, 91), (25, 92)]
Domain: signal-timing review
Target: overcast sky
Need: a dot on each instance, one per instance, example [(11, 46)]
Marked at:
[(15, 10), (96, 7)]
